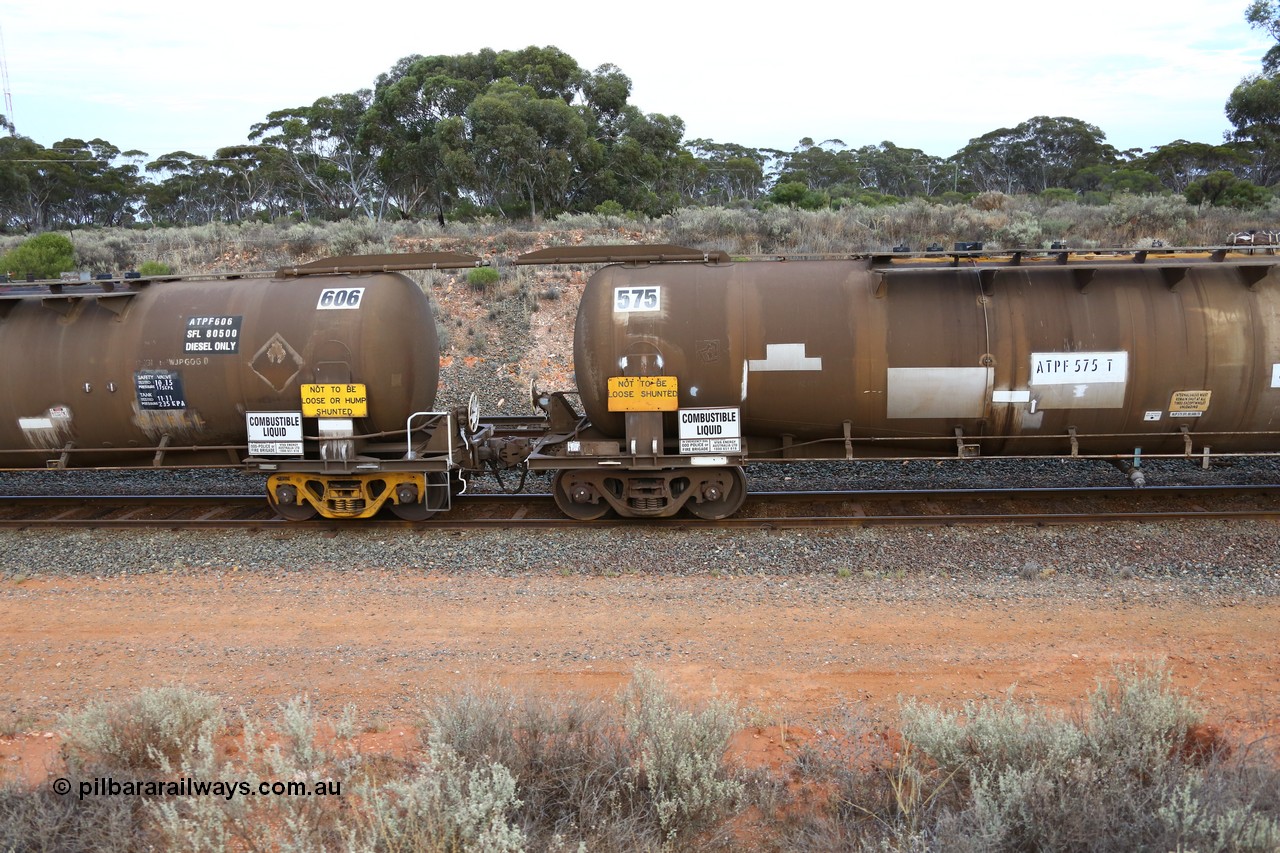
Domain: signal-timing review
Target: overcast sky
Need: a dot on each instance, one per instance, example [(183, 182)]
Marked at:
[(927, 74)]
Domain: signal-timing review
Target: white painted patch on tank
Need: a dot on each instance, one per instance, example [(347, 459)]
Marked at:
[(693, 390), (1275, 376), (48, 431), (784, 357), (1010, 396), (1079, 391), (745, 371), (937, 392)]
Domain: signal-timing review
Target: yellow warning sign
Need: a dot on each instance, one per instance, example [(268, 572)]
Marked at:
[(1189, 404), (334, 401), (643, 394)]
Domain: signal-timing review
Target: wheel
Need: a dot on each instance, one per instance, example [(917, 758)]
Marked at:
[(285, 503), (413, 509), (578, 504), (717, 503)]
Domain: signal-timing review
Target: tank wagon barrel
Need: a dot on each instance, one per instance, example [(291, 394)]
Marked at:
[(311, 374), (689, 370)]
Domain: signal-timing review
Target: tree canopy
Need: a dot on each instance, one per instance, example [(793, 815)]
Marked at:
[(530, 133)]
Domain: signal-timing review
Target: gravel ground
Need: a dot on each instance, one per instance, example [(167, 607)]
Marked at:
[(1194, 560), (1223, 561)]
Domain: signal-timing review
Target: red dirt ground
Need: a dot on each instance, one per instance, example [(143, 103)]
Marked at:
[(388, 642)]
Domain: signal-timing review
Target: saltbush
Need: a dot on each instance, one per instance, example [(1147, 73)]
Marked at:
[(1128, 773), (655, 774), (138, 734), (1133, 769)]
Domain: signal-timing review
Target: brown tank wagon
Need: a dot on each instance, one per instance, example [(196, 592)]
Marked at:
[(311, 374), (688, 370)]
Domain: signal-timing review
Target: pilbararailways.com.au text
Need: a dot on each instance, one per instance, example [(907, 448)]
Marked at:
[(187, 787)]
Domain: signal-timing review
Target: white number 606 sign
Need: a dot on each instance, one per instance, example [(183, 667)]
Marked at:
[(340, 297)]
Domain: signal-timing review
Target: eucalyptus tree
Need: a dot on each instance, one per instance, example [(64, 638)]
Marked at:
[(1033, 156), (1265, 15), (639, 168), (186, 189), (34, 183), (1253, 109), (724, 172), (1180, 163), (632, 158), (901, 172), (109, 190), (325, 172), (818, 165), (525, 142), (246, 180), (417, 127), (518, 132)]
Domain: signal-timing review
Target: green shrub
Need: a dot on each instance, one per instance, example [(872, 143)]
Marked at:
[(356, 237), (1023, 230), (44, 256), (482, 278), (155, 268), (1150, 214), (1057, 195)]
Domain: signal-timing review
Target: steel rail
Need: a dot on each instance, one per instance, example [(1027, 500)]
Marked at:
[(848, 508)]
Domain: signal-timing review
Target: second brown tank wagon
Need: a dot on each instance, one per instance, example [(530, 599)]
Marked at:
[(1051, 353)]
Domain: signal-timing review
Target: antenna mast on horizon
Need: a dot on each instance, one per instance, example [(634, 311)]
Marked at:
[(4, 79)]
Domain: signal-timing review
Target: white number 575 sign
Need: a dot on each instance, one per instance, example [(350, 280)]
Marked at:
[(637, 299)]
